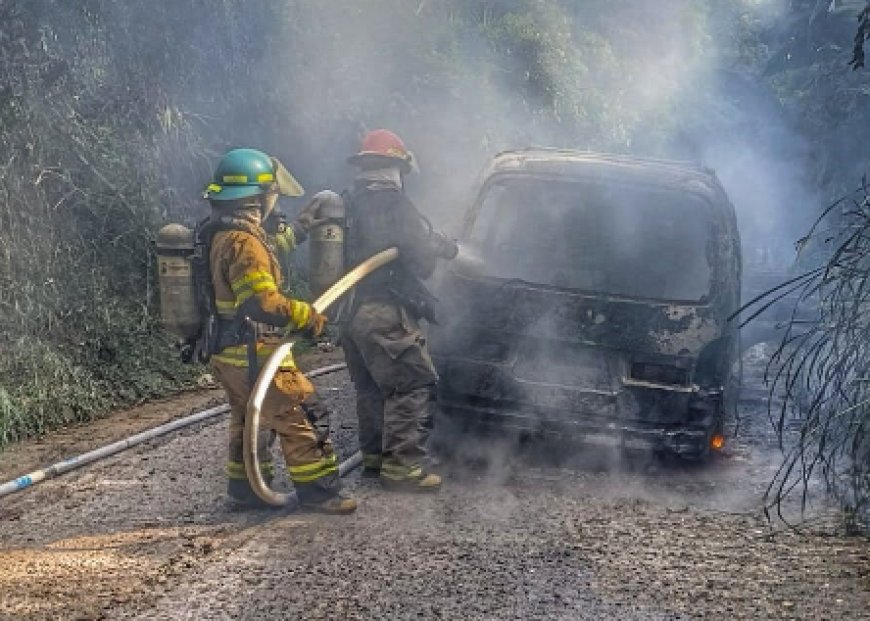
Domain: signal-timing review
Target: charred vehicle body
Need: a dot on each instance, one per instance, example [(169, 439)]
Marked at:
[(597, 303)]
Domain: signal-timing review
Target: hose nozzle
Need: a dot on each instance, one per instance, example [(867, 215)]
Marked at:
[(468, 261)]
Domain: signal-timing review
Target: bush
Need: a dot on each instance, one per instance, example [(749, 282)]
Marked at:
[(821, 368)]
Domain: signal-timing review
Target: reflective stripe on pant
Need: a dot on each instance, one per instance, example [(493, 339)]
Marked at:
[(399, 472), (394, 377), (236, 470), (308, 460), (372, 461)]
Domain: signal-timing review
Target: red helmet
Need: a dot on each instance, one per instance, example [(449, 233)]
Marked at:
[(379, 145)]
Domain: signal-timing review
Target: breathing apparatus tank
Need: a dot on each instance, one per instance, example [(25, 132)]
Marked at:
[(178, 300), (326, 251)]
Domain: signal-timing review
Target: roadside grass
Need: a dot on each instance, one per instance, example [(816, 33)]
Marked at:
[(46, 385)]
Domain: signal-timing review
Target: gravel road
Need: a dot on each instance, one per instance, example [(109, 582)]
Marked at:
[(148, 535)]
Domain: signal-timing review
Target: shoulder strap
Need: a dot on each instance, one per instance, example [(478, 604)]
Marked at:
[(202, 238), (347, 196)]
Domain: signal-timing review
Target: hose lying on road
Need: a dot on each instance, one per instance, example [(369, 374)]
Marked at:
[(61, 467), (267, 374), (252, 419)]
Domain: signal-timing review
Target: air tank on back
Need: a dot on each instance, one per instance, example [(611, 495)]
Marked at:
[(326, 251), (178, 309)]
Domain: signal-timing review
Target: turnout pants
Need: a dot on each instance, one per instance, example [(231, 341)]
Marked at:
[(311, 462), (395, 379)]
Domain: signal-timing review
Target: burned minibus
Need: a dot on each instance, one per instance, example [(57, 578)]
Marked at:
[(591, 300)]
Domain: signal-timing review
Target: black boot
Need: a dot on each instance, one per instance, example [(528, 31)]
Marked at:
[(239, 490), (242, 496), (401, 478)]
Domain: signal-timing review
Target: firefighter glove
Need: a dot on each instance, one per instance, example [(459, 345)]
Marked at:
[(285, 238), (308, 217), (275, 223)]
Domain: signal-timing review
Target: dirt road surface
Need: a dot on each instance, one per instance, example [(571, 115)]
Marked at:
[(148, 535)]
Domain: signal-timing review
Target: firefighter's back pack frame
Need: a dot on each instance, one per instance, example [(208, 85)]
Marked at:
[(215, 332)]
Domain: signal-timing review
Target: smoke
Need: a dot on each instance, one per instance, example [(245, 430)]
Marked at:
[(460, 81)]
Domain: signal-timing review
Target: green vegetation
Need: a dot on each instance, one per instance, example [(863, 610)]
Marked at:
[(113, 113), (820, 405), (78, 203)]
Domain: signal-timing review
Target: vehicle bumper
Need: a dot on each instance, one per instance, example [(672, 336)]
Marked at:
[(687, 440), (488, 398)]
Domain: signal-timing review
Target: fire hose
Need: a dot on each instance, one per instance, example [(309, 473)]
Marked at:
[(73, 463), (270, 368)]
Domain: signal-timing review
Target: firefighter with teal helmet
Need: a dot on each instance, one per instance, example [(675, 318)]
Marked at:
[(251, 312)]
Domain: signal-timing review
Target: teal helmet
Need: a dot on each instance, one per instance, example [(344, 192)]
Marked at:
[(243, 173)]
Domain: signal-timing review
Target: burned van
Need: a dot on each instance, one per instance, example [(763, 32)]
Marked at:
[(591, 299)]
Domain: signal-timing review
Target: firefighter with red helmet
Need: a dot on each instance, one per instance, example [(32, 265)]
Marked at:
[(383, 340)]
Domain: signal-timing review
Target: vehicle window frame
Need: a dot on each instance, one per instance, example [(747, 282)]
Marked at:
[(719, 211)]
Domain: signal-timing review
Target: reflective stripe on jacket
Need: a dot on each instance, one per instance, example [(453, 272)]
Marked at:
[(237, 355), (247, 278)]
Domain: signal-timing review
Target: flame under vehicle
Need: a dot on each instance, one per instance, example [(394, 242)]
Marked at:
[(597, 305)]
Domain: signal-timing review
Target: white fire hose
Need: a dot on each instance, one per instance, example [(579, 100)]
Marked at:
[(267, 374), (61, 467), (72, 463), (251, 420)]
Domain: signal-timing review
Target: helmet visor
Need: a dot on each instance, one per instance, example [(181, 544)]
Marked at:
[(287, 184)]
